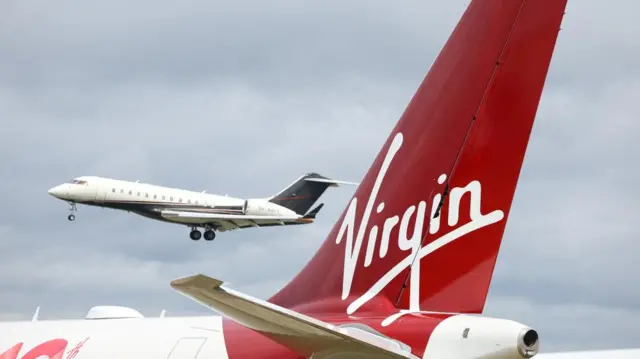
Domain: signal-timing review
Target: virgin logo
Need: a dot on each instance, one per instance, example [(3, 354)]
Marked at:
[(51, 349), (410, 244)]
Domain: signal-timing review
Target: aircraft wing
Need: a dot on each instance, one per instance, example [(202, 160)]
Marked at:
[(226, 222), (304, 335)]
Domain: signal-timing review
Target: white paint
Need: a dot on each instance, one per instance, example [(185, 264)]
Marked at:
[(353, 250), (593, 354), (112, 312), (407, 242), (175, 337), (486, 338), (157, 337), (187, 348)]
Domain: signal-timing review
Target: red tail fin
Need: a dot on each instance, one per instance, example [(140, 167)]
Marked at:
[(454, 156)]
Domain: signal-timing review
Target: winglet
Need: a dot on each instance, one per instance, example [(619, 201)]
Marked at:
[(198, 280)]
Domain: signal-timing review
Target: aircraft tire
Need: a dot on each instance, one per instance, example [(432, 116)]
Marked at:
[(209, 235), (195, 235)]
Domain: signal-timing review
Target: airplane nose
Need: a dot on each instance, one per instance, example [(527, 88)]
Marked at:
[(56, 191)]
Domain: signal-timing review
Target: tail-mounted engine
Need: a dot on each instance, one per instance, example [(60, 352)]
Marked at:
[(466, 337), (258, 207)]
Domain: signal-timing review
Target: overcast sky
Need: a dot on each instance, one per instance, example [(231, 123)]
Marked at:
[(242, 97)]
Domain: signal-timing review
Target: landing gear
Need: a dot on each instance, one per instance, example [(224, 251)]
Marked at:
[(209, 235), (195, 234), (73, 208)]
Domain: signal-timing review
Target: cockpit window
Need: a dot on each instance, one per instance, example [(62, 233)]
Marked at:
[(79, 182)]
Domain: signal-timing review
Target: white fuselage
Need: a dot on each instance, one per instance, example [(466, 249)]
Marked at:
[(199, 337), (151, 200), (134, 338), (106, 191)]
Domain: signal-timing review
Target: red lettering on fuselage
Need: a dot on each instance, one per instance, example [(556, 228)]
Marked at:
[(12, 353), (52, 349)]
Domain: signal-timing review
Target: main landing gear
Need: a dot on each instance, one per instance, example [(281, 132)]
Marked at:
[(73, 208), (209, 234)]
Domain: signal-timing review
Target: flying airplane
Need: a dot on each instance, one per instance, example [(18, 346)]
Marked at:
[(404, 273), (291, 206)]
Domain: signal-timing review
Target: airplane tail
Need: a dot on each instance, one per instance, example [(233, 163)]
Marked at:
[(423, 230), (304, 192)]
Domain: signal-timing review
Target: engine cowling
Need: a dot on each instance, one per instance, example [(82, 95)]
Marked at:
[(467, 336), (259, 208)]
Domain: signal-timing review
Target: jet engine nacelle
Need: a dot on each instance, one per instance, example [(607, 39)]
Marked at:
[(256, 207), (467, 336)]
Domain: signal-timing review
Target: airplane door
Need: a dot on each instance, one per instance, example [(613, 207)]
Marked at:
[(101, 194), (187, 348)]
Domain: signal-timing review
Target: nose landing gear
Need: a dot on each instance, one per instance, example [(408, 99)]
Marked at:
[(73, 208)]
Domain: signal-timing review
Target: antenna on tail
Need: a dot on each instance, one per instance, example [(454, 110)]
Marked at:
[(35, 315)]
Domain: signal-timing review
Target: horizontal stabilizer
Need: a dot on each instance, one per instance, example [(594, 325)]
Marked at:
[(304, 335), (314, 212), (332, 183)]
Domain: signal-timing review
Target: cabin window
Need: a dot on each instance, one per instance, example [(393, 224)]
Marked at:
[(113, 190), (180, 200), (146, 195), (163, 197), (138, 194), (155, 196), (121, 191), (196, 201), (189, 201), (130, 192), (171, 198)]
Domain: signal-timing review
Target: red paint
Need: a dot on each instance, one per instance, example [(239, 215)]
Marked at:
[(12, 353), (440, 136), (73, 352), (470, 119), (413, 330), (52, 349)]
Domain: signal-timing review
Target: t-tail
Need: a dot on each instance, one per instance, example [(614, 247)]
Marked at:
[(304, 192), (424, 228)]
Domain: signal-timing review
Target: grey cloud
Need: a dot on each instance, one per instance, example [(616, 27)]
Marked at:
[(188, 41)]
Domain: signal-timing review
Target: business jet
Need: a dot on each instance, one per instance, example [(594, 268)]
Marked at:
[(291, 206), (404, 272)]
